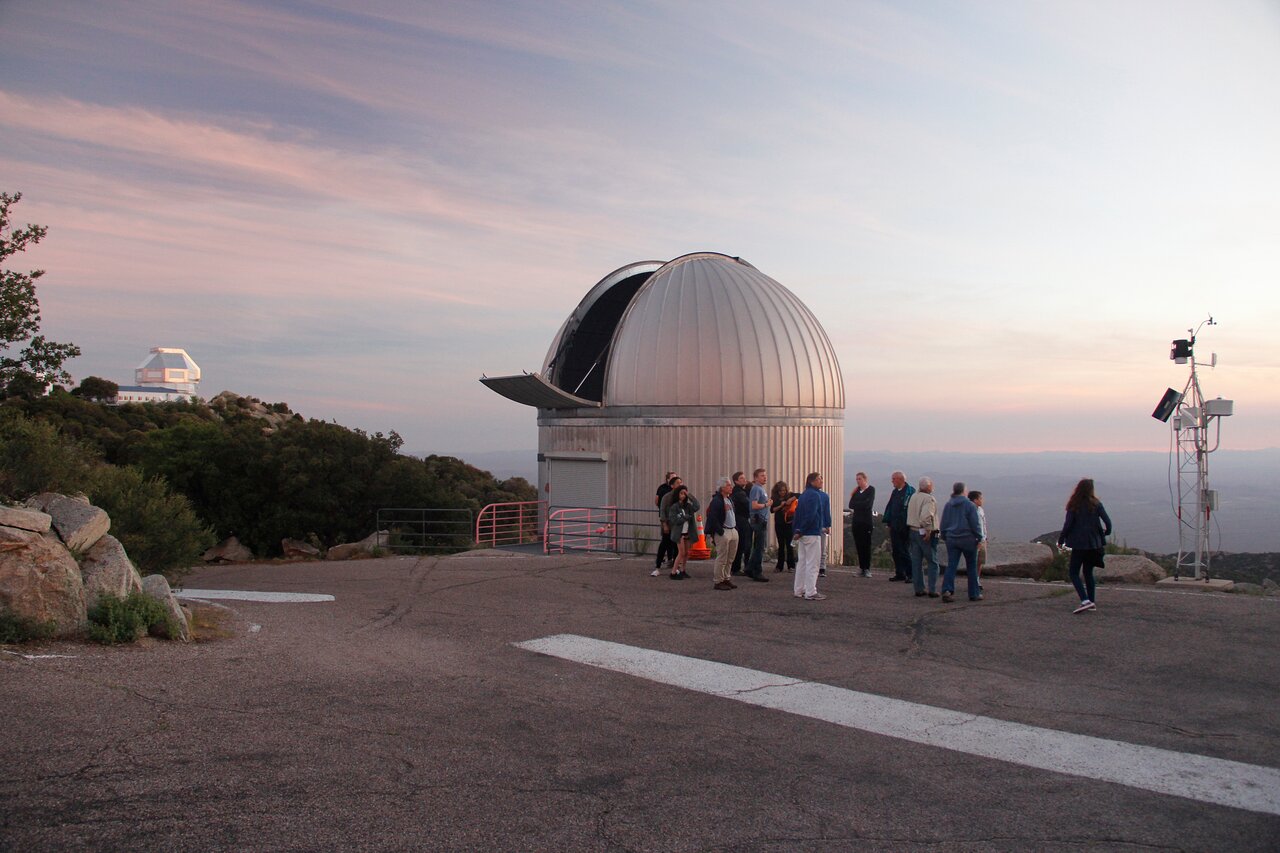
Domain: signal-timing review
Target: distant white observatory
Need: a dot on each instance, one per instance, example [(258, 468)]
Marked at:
[(167, 373), (702, 365)]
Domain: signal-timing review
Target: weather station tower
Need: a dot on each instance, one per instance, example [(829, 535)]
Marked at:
[(1193, 420)]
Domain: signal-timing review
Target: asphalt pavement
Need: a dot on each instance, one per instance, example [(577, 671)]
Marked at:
[(402, 715)]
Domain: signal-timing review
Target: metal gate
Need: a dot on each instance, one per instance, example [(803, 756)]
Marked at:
[(415, 529)]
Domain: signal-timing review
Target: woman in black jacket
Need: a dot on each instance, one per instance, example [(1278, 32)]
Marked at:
[(1084, 532), (860, 501)]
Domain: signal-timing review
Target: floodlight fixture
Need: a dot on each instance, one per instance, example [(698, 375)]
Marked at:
[(1168, 403)]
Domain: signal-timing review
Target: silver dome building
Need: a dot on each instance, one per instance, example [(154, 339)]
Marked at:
[(703, 365)]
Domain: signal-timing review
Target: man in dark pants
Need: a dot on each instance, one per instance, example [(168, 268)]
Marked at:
[(666, 548), (860, 502), (741, 511), (895, 515)]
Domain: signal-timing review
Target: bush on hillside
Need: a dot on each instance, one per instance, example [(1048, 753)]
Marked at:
[(159, 529), (35, 458), (21, 629)]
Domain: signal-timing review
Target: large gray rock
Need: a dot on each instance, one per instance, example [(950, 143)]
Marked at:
[(229, 550), (77, 523), (157, 586), (106, 568), (39, 579), (1017, 559), (363, 548), (295, 549), (1129, 568), (25, 519)]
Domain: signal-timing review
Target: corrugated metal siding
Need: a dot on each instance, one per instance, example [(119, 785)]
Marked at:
[(701, 454)]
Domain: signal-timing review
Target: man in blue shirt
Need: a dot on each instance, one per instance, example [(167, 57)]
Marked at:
[(759, 521), (813, 519)]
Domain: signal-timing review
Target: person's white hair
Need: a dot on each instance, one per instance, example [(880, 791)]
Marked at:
[(720, 484), (925, 482)]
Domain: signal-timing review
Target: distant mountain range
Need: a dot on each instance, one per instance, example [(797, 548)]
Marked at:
[(1026, 492)]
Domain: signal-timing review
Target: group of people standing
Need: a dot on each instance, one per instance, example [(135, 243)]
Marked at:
[(916, 528), (737, 520), (738, 513)]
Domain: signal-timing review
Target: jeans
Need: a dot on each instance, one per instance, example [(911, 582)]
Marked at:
[(759, 535), (1086, 559), (970, 552), (900, 542), (924, 555)]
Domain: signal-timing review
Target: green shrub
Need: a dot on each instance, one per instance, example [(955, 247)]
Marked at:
[(1057, 569), (159, 529), (115, 620), (21, 629), (35, 458)]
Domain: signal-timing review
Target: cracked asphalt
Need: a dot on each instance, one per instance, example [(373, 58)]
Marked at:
[(400, 717)]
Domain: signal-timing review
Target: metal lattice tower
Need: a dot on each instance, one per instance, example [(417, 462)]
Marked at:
[(1191, 426)]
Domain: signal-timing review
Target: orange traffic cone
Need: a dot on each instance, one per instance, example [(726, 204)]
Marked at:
[(700, 551)]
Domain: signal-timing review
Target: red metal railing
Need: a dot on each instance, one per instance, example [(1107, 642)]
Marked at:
[(581, 529), (513, 523)]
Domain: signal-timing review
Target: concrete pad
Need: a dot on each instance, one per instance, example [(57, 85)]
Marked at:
[(1191, 585)]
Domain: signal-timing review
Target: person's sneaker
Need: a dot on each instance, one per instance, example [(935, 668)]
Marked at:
[(723, 585), (977, 597), (920, 594), (866, 573), (817, 596), (654, 573), (684, 575), (732, 585), (895, 579), (1084, 606), (933, 595), (946, 598), (822, 573), (799, 595)]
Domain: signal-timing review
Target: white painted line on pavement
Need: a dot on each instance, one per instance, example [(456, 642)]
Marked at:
[(250, 595), (1196, 777)]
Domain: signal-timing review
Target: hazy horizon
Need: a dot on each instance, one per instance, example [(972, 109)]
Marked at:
[(1026, 492)]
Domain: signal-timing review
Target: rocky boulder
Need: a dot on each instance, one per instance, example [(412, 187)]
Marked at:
[(39, 580), (363, 548), (78, 523), (106, 568), (1129, 568), (25, 519), (295, 549), (229, 550), (1017, 559), (157, 587)]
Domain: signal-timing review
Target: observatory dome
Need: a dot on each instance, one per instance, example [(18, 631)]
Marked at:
[(750, 342)]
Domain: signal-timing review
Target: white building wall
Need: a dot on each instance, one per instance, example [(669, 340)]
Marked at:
[(639, 454)]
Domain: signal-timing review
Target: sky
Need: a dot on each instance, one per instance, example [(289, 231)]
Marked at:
[(1001, 212)]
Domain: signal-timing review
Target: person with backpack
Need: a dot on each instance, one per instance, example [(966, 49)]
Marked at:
[(782, 504)]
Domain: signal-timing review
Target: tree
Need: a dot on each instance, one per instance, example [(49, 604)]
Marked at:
[(39, 364), (96, 388)]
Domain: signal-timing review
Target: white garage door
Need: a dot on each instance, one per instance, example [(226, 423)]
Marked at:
[(577, 482)]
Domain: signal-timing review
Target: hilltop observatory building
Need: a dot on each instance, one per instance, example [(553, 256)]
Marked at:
[(702, 365), (167, 374)]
